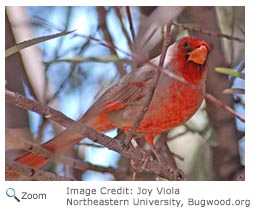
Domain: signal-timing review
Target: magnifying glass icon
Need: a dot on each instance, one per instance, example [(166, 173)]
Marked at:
[(10, 192)]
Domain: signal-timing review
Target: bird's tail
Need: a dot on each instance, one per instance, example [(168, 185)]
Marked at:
[(63, 141)]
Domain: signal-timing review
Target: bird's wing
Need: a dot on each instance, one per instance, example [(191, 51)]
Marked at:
[(131, 88)]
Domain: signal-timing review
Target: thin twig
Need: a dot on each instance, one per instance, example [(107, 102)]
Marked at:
[(40, 130), (128, 12), (220, 104), (163, 148), (209, 33), (71, 72), (151, 91), (232, 34), (102, 22), (213, 100), (117, 10)]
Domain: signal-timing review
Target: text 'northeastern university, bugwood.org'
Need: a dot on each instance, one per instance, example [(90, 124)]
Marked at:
[(141, 196)]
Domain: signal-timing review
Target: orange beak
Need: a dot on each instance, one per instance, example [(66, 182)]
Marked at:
[(198, 55)]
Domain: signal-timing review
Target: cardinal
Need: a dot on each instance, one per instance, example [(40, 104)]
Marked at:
[(172, 104)]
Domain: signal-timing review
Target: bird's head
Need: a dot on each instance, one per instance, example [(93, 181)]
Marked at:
[(188, 57)]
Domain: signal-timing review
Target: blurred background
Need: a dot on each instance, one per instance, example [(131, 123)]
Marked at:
[(68, 74)]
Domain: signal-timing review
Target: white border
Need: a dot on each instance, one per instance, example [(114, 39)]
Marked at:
[(56, 190)]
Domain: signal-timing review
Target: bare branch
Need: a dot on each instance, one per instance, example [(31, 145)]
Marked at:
[(232, 34), (127, 8), (36, 174), (220, 104), (117, 10), (209, 33), (102, 18), (28, 104)]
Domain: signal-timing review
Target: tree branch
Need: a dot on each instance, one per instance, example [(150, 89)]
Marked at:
[(102, 20), (128, 12), (36, 174), (207, 32)]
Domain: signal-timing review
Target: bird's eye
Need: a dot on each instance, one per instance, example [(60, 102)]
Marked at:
[(185, 45)]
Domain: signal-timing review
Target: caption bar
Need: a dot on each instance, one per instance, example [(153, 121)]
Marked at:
[(140, 196)]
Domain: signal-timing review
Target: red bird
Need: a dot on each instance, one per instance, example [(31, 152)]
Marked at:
[(173, 102)]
